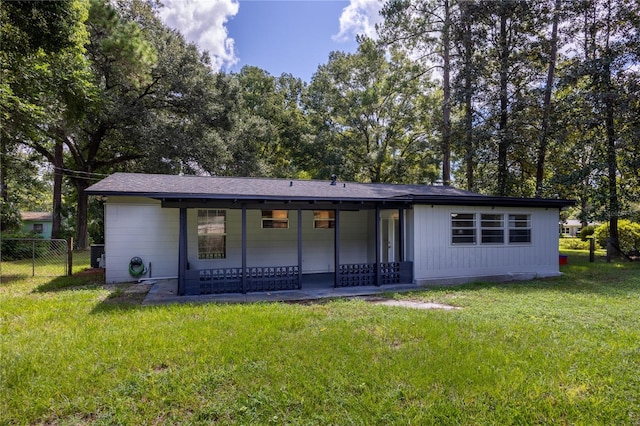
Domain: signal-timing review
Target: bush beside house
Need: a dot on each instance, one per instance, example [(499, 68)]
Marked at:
[(628, 233)]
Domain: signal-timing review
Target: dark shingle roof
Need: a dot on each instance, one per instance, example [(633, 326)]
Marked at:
[(234, 188)]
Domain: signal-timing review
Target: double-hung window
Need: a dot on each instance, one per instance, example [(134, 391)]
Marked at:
[(275, 219), (212, 234), (463, 228), (519, 228), (324, 219), (492, 228)]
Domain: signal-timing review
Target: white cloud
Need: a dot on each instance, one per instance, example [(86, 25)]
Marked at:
[(203, 22), (360, 17)]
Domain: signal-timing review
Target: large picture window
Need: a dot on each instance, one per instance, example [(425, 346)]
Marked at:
[(492, 228), (212, 234), (463, 228), (519, 228), (275, 219), (324, 219)]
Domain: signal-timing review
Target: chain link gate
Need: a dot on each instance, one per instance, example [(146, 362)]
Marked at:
[(31, 257)]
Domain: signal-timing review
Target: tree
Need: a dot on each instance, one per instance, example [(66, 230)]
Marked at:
[(546, 108), (372, 116), (605, 70), (42, 44), (424, 28), (274, 106)]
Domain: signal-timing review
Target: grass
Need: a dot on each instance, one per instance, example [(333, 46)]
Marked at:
[(556, 351)]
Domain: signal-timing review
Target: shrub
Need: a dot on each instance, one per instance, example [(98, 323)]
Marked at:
[(14, 249), (587, 231), (628, 233), (573, 244)]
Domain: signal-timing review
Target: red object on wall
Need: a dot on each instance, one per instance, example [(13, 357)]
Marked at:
[(564, 259)]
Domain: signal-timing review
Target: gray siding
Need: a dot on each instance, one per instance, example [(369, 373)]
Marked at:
[(436, 257)]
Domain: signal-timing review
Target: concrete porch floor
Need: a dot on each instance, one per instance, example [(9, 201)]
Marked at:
[(165, 291)]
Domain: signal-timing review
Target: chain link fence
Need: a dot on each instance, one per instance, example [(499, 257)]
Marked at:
[(33, 257)]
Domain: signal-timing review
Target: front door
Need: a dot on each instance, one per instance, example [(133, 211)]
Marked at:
[(390, 237)]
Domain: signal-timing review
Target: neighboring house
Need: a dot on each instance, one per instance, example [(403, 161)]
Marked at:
[(572, 227), (219, 234), (37, 222)]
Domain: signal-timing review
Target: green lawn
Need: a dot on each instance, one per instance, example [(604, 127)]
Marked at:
[(556, 351)]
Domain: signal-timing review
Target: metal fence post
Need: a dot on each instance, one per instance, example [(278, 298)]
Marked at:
[(70, 256), (33, 258)]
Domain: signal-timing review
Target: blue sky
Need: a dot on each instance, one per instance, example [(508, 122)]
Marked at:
[(293, 36)]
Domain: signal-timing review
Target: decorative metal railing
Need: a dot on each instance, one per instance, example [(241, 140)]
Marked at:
[(229, 280), (364, 274), (274, 278)]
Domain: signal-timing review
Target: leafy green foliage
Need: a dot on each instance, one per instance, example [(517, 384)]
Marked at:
[(628, 234), (587, 231), (374, 125)]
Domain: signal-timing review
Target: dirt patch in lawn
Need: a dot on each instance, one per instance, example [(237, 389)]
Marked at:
[(126, 293), (413, 304)]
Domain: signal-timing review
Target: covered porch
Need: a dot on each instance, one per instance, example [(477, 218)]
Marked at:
[(355, 245)]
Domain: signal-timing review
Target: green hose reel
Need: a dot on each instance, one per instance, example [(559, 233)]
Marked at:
[(136, 267)]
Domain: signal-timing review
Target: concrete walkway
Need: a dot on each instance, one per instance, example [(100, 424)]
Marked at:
[(166, 291)]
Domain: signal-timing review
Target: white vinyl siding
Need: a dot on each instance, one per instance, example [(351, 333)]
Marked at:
[(435, 256), (279, 247), (140, 227)]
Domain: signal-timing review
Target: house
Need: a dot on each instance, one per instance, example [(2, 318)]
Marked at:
[(37, 222), (223, 234), (572, 227)]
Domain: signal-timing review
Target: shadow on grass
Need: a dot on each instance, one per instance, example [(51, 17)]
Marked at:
[(78, 281), (619, 277), (123, 297), (117, 302)]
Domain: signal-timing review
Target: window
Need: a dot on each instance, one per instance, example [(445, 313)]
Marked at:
[(463, 228), (212, 234), (324, 219), (492, 228), (519, 228), (38, 228), (275, 219)]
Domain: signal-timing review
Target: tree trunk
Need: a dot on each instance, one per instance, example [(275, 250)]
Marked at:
[(446, 104), (468, 97), (612, 162), (56, 225), (546, 109), (82, 215), (3, 170), (503, 137)]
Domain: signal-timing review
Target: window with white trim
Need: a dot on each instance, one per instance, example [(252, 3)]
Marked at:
[(275, 219), (212, 234), (492, 228), (519, 228), (324, 219), (38, 228), (463, 228)]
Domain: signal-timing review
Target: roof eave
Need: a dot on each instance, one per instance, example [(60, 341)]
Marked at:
[(455, 200)]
